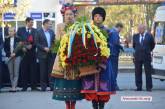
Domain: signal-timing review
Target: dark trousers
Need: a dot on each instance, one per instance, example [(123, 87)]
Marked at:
[(115, 61), (138, 73), (46, 66), (28, 68), (0, 73)]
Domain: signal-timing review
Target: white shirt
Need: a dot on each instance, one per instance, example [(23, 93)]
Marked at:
[(28, 29), (11, 44), (140, 40)]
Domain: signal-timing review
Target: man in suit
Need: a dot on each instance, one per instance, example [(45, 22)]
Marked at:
[(28, 64), (115, 47), (143, 44), (1, 47), (44, 40)]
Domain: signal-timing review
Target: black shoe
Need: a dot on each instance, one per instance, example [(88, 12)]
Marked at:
[(95, 104), (138, 89), (35, 89), (24, 89), (12, 91), (51, 89), (101, 105), (149, 90), (43, 89)]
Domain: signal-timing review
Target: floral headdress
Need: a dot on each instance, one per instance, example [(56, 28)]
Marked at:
[(68, 6)]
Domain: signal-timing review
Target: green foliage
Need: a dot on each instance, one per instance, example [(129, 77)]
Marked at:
[(82, 19), (130, 15), (55, 46), (104, 33)]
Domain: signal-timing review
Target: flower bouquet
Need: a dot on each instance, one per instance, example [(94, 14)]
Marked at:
[(55, 46), (85, 47), (18, 48)]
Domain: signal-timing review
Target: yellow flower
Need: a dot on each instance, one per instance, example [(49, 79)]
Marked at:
[(63, 64), (63, 44), (100, 38)]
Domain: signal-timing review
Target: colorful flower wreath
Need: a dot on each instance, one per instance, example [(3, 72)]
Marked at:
[(84, 45)]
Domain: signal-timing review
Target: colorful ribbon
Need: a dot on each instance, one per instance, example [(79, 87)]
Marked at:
[(92, 32)]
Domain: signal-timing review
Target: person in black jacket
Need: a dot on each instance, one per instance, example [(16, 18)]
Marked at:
[(28, 64), (1, 47), (14, 57), (44, 40), (143, 44)]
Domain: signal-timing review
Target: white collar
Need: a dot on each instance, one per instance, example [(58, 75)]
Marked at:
[(28, 28), (143, 34), (11, 37)]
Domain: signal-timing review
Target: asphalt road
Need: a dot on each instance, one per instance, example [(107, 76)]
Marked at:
[(43, 100)]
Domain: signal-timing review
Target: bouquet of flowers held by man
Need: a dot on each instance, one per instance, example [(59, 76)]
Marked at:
[(16, 50), (85, 47), (21, 45)]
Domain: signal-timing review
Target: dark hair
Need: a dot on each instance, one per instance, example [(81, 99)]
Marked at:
[(28, 19), (119, 25), (99, 10), (45, 21)]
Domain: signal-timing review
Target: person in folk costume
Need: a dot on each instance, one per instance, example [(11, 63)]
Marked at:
[(67, 85), (98, 87)]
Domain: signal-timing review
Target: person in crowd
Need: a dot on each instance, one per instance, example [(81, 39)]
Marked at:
[(28, 63), (114, 43), (6, 29), (1, 47), (14, 57), (67, 86), (143, 44), (44, 39), (99, 87)]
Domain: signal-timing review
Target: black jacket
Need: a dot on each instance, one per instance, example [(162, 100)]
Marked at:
[(23, 35), (7, 46), (1, 47), (41, 42), (143, 51)]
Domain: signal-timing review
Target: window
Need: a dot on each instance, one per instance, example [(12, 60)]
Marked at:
[(160, 33)]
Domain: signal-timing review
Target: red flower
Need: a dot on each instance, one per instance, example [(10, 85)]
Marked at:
[(94, 58), (67, 60), (30, 39), (85, 61)]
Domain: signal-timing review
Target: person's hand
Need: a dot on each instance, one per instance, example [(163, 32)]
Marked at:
[(133, 59), (12, 55), (29, 46), (122, 48), (47, 49), (24, 49), (20, 43)]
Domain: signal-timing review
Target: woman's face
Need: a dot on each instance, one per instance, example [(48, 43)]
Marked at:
[(69, 17), (11, 32)]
